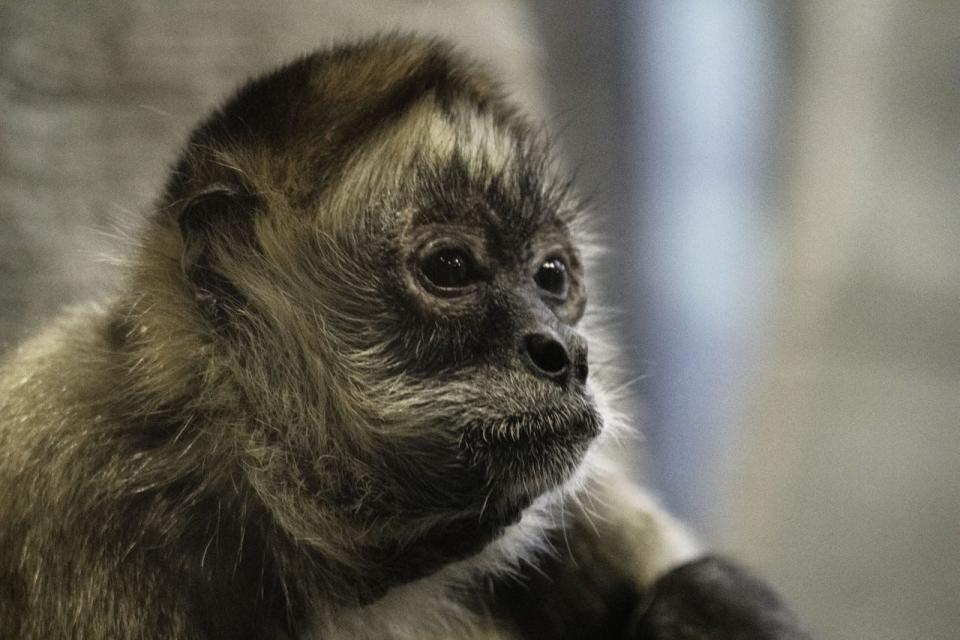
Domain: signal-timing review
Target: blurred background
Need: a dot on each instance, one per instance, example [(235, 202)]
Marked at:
[(779, 184)]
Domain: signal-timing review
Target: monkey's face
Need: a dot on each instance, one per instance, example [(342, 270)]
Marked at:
[(482, 391)]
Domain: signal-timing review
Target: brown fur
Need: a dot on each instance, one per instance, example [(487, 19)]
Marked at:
[(272, 429)]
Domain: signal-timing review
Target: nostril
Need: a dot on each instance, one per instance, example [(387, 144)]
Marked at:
[(547, 354)]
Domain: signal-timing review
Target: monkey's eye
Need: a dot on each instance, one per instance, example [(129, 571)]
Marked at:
[(552, 276), (450, 268)]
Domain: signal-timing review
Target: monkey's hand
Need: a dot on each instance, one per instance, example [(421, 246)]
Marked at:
[(712, 599)]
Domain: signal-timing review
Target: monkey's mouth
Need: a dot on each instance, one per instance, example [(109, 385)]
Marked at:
[(535, 450), (543, 428)]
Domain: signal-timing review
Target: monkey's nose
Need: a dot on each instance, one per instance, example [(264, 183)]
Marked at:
[(548, 358)]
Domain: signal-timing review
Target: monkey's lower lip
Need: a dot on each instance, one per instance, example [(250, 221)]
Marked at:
[(557, 425), (541, 432)]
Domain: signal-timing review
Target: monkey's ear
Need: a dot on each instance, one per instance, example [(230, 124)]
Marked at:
[(216, 220)]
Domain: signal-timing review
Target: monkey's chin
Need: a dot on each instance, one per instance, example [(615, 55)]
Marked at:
[(526, 455)]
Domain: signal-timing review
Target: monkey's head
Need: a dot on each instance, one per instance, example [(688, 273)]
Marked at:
[(366, 274)]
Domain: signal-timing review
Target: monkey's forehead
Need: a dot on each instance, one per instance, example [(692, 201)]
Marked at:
[(452, 163)]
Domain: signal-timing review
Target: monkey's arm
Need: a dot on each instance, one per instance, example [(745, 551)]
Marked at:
[(623, 568)]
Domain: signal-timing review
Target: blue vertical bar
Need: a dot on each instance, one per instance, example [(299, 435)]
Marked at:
[(703, 92)]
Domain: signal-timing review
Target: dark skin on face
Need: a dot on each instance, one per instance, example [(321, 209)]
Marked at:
[(498, 268), (502, 282), (460, 270)]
